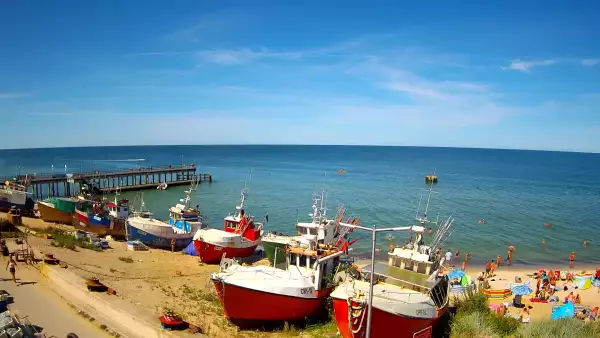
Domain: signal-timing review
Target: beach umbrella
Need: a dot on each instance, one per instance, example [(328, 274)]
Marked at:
[(521, 290), (456, 274)]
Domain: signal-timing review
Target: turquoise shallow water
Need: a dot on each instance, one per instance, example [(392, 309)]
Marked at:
[(516, 192)]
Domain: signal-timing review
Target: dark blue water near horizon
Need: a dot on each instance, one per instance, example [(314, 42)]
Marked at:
[(516, 191)]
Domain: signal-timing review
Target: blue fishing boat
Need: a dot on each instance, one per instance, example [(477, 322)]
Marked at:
[(183, 223)]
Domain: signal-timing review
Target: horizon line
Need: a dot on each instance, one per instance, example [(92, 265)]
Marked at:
[(302, 145)]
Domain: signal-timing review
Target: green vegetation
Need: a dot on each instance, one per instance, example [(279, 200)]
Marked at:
[(126, 259), (64, 239), (474, 319)]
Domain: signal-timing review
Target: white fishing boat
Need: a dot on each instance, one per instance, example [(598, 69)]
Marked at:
[(325, 231), (15, 195)]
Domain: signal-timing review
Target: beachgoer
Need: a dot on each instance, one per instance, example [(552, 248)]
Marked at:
[(173, 245), (581, 314), (544, 243), (457, 253), (511, 250), (525, 317), (498, 260), (449, 257), (572, 260), (492, 268), (570, 298), (585, 243), (488, 268), (267, 218), (11, 265), (501, 311), (467, 257)]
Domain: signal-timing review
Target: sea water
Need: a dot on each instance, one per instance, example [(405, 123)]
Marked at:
[(516, 192)]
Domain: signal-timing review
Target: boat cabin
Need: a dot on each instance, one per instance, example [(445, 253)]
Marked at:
[(180, 212), (322, 231), (244, 225), (312, 261), (119, 209), (414, 256)]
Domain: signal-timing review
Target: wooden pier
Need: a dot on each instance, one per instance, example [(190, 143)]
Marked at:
[(42, 185)]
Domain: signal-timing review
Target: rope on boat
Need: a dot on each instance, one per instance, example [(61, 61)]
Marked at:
[(355, 313)]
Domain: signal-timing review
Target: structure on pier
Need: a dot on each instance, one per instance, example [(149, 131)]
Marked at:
[(43, 185)]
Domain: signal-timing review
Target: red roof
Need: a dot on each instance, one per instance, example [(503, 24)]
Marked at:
[(111, 204)]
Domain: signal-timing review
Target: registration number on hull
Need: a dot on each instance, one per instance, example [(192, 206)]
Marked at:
[(306, 291)]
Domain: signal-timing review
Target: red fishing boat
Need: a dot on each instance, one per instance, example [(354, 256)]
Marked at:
[(263, 295), (240, 237), (401, 308), (408, 300)]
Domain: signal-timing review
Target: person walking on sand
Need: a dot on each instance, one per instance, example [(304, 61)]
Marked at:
[(11, 266), (498, 260), (572, 260)]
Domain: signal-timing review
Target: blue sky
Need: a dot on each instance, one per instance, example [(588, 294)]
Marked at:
[(502, 74)]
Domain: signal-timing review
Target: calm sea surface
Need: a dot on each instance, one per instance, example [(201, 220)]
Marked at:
[(516, 192)]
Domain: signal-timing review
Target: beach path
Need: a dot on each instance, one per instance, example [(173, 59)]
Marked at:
[(42, 306)]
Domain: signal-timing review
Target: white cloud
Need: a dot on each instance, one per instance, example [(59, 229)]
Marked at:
[(243, 55), (6, 96), (526, 66), (590, 62), (212, 25)]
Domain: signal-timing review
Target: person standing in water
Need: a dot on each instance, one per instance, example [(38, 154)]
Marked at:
[(11, 266), (509, 256), (572, 260)]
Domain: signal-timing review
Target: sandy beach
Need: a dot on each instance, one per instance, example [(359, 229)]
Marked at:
[(504, 275)]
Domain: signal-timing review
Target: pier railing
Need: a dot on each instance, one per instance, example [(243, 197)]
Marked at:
[(45, 176), (42, 185)]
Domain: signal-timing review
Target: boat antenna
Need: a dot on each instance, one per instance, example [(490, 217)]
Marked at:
[(419, 206)]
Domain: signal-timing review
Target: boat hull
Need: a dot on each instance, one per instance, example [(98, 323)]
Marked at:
[(242, 306), (211, 253), (270, 248), (383, 324), (51, 214), (150, 237), (116, 228)]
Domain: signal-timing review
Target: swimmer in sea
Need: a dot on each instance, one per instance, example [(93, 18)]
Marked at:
[(544, 243), (585, 243)]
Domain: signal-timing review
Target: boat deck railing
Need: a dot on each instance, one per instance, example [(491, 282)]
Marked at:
[(436, 289)]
